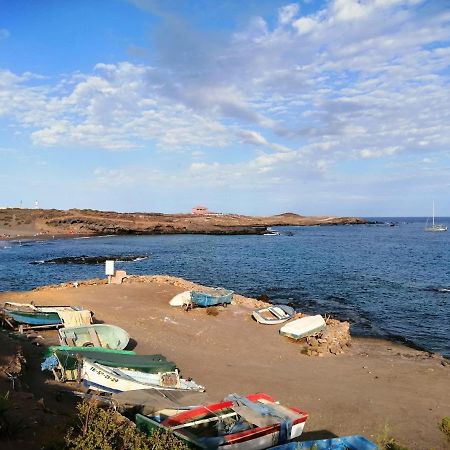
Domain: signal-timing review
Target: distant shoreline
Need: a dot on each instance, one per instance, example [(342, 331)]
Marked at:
[(35, 224)]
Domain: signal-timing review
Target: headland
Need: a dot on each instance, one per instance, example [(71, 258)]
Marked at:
[(26, 223)]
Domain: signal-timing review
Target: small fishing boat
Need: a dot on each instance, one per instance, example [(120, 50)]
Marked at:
[(66, 363), (211, 297), (96, 335), (113, 379), (32, 315), (306, 326), (343, 443), (239, 423), (274, 314)]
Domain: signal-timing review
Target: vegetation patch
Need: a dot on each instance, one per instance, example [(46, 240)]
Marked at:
[(98, 428), (444, 426)]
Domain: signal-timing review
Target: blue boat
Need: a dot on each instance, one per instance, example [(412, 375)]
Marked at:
[(343, 443), (213, 297), (29, 314)]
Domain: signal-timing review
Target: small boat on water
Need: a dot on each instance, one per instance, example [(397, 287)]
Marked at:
[(32, 315), (306, 326), (435, 227), (274, 314), (113, 379), (239, 423), (96, 335), (210, 297), (343, 443)]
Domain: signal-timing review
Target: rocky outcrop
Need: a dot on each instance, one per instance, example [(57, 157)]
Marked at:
[(334, 339)]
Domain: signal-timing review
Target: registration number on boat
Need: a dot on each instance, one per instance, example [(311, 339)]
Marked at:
[(104, 375)]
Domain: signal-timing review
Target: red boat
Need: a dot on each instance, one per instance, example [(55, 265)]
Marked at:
[(253, 422)]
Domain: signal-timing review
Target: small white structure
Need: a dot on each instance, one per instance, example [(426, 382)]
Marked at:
[(109, 269)]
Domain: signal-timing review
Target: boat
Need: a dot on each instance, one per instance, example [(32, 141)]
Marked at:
[(436, 227), (66, 363), (96, 335), (32, 315), (211, 297), (253, 422), (274, 314), (181, 299), (343, 443), (102, 378), (306, 326), (271, 232)]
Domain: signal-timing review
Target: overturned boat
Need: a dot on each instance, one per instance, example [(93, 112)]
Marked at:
[(343, 443), (306, 326), (240, 423)]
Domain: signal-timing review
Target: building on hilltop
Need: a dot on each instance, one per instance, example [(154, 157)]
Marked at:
[(200, 210)]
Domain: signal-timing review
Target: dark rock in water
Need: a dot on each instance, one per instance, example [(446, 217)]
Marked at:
[(83, 259), (263, 298)]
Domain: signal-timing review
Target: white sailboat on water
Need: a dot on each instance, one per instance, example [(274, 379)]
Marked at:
[(436, 226)]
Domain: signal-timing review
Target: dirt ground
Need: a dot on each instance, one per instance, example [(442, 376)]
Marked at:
[(376, 385)]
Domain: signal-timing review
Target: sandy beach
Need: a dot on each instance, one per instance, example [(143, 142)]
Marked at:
[(375, 385)]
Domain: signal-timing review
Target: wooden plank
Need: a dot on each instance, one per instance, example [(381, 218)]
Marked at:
[(94, 337)]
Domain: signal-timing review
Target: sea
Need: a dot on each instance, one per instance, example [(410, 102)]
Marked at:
[(389, 280)]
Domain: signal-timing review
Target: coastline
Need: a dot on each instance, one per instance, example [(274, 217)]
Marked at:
[(374, 384)]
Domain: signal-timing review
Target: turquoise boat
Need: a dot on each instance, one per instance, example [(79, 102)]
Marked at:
[(31, 315), (96, 335), (212, 297), (343, 443)]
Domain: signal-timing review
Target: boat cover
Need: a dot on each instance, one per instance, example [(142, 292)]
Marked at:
[(148, 401)]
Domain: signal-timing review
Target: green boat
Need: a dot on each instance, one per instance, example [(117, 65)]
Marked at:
[(96, 335), (65, 361)]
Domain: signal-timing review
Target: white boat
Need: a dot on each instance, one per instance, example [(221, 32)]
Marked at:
[(112, 379), (274, 314), (271, 232), (306, 326), (436, 226), (181, 299)]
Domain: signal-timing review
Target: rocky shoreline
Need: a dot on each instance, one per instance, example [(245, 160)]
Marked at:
[(16, 222)]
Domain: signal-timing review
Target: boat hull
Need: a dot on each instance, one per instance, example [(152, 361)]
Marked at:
[(213, 298), (113, 380), (35, 318), (273, 315), (96, 335), (261, 429), (301, 328), (343, 443)]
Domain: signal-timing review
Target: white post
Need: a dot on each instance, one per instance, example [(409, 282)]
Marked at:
[(109, 269)]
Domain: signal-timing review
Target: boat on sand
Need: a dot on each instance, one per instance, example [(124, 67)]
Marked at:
[(274, 314), (114, 379), (306, 326), (343, 443), (96, 335), (240, 423), (42, 316)]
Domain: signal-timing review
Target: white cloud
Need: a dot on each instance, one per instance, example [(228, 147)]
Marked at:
[(354, 80)]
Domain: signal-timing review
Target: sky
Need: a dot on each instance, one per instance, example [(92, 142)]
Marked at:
[(338, 107)]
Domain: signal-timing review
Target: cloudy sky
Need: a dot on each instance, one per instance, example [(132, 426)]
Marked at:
[(261, 106)]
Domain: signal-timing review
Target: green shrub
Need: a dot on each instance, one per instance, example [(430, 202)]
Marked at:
[(103, 429), (444, 426), (9, 428)]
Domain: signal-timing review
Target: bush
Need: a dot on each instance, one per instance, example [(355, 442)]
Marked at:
[(444, 426), (103, 429), (9, 428)]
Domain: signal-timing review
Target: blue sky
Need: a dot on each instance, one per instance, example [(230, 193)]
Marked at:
[(339, 107)]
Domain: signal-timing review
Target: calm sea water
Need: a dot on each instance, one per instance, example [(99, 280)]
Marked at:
[(387, 281)]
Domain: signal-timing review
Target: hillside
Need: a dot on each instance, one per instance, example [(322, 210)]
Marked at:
[(16, 222)]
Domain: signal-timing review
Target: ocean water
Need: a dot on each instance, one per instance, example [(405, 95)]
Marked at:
[(388, 281)]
